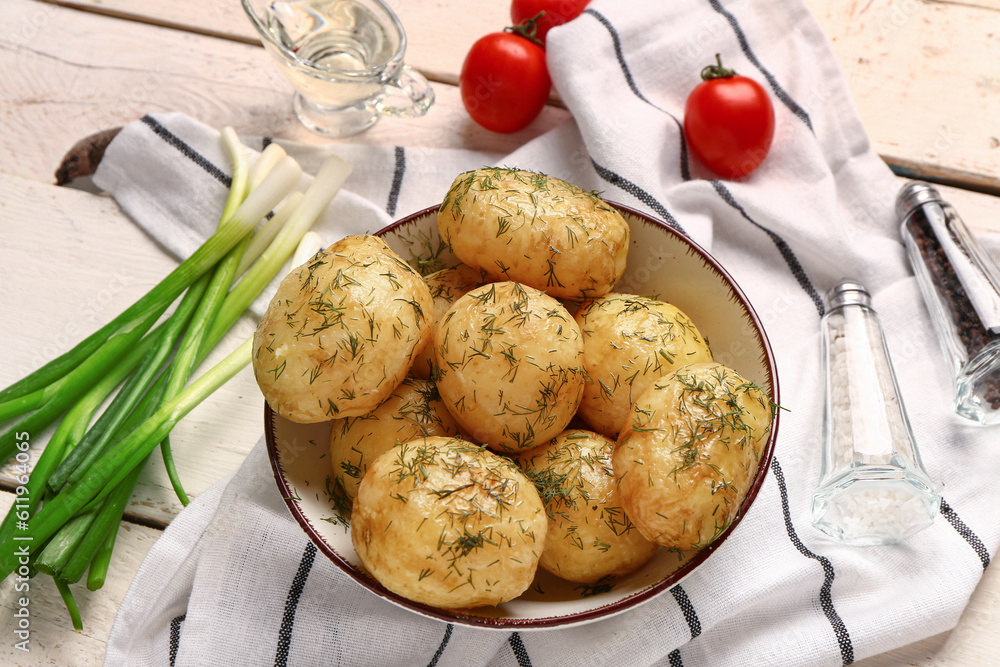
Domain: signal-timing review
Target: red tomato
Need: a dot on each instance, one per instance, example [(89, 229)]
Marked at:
[(557, 12), (729, 122), (504, 82)]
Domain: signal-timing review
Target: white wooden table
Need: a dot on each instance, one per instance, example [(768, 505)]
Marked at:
[(922, 73)]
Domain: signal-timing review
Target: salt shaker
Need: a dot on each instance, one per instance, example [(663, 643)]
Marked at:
[(873, 488), (961, 287)]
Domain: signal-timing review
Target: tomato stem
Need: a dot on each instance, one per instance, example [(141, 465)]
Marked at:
[(716, 71), (528, 28)]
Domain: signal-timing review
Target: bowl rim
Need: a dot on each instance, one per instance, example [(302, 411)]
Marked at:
[(598, 613)]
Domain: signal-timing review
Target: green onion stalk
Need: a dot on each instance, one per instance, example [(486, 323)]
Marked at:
[(52, 389), (89, 468)]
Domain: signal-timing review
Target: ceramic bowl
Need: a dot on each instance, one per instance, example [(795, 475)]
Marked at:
[(661, 263)]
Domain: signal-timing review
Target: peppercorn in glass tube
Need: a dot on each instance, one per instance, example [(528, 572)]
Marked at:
[(961, 287)]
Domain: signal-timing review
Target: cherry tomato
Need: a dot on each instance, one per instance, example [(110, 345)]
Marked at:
[(728, 122), (504, 81), (557, 12)]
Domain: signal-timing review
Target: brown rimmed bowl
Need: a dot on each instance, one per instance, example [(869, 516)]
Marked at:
[(661, 263)]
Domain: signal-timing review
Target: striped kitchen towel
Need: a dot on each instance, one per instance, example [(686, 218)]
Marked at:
[(233, 580)]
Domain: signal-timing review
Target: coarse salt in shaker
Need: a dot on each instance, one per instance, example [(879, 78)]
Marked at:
[(961, 287), (873, 488)]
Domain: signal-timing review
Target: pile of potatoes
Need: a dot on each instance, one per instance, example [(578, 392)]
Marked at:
[(512, 412)]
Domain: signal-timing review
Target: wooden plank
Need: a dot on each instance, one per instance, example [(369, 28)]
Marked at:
[(224, 20), (52, 639), (64, 274), (919, 71), (979, 211), (917, 654), (974, 641), (924, 82), (65, 79), (438, 34)]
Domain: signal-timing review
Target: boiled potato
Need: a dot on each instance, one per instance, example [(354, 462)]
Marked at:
[(688, 454), (413, 410), (589, 537), (447, 523), (537, 230), (509, 365), (341, 332), (629, 342), (446, 285)]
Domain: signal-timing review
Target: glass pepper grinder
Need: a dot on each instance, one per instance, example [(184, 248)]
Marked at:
[(873, 488), (961, 287)]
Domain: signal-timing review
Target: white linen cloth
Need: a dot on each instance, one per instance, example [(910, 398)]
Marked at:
[(234, 581)]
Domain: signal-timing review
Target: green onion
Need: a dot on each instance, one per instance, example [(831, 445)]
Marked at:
[(267, 161), (100, 435), (62, 555), (106, 521), (87, 472), (263, 238), (101, 561), (219, 284), (58, 550), (70, 431), (71, 374), (328, 180), (70, 601), (69, 388), (84, 495)]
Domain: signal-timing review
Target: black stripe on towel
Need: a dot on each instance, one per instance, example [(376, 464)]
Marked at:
[(617, 42), (521, 653), (779, 92), (291, 603), (397, 180), (444, 642), (825, 597), (175, 637), (786, 252), (187, 151), (681, 596), (675, 658), (637, 192), (948, 513)]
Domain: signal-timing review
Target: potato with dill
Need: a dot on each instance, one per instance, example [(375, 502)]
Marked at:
[(447, 523), (590, 537), (341, 332), (537, 230), (689, 452), (446, 286), (629, 342), (509, 364), (413, 410)]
